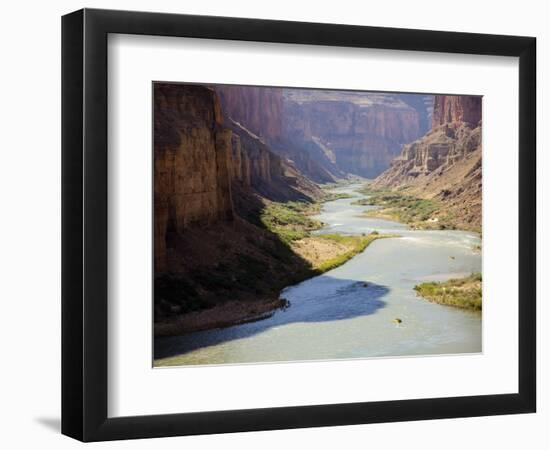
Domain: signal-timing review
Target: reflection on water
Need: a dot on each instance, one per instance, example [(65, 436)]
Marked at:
[(350, 311)]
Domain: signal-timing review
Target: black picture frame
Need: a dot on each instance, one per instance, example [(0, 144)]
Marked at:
[(84, 224)]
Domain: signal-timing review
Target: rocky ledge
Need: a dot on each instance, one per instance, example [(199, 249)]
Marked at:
[(445, 164)]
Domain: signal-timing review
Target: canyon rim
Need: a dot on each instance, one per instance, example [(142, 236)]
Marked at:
[(295, 224)]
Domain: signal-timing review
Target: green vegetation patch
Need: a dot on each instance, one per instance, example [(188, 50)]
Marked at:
[(404, 208), (330, 196), (356, 243), (459, 292), (291, 220)]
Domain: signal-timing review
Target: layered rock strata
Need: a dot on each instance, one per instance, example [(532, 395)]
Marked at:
[(260, 110), (205, 163), (192, 162), (360, 133), (212, 179), (446, 163), (328, 134)]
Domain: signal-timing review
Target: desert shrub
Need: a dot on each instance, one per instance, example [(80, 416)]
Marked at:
[(289, 221)]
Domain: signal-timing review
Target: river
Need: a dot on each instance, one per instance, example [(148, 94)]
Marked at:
[(335, 315)]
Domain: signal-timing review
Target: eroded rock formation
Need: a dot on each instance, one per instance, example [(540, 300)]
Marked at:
[(328, 134), (443, 147), (456, 109), (360, 133), (206, 163), (213, 178), (257, 167), (446, 162), (259, 109), (192, 162)]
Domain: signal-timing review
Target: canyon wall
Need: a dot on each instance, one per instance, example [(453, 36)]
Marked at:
[(454, 109), (446, 163), (360, 133), (328, 134), (205, 163), (258, 168), (259, 109), (213, 178), (192, 162)]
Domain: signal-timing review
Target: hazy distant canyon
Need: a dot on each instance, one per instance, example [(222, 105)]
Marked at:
[(328, 134)]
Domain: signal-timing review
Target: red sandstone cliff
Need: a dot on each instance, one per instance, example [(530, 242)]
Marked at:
[(446, 163), (192, 162), (362, 132), (212, 178), (257, 167), (255, 116), (454, 108), (326, 134), (259, 109), (206, 164)]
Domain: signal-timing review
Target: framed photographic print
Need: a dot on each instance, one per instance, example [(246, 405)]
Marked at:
[(273, 224)]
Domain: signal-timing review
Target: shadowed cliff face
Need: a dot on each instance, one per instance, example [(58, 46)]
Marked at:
[(258, 168), (260, 111), (255, 116), (199, 155), (446, 162), (212, 178), (192, 163)]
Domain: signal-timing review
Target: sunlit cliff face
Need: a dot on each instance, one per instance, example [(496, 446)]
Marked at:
[(446, 162)]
